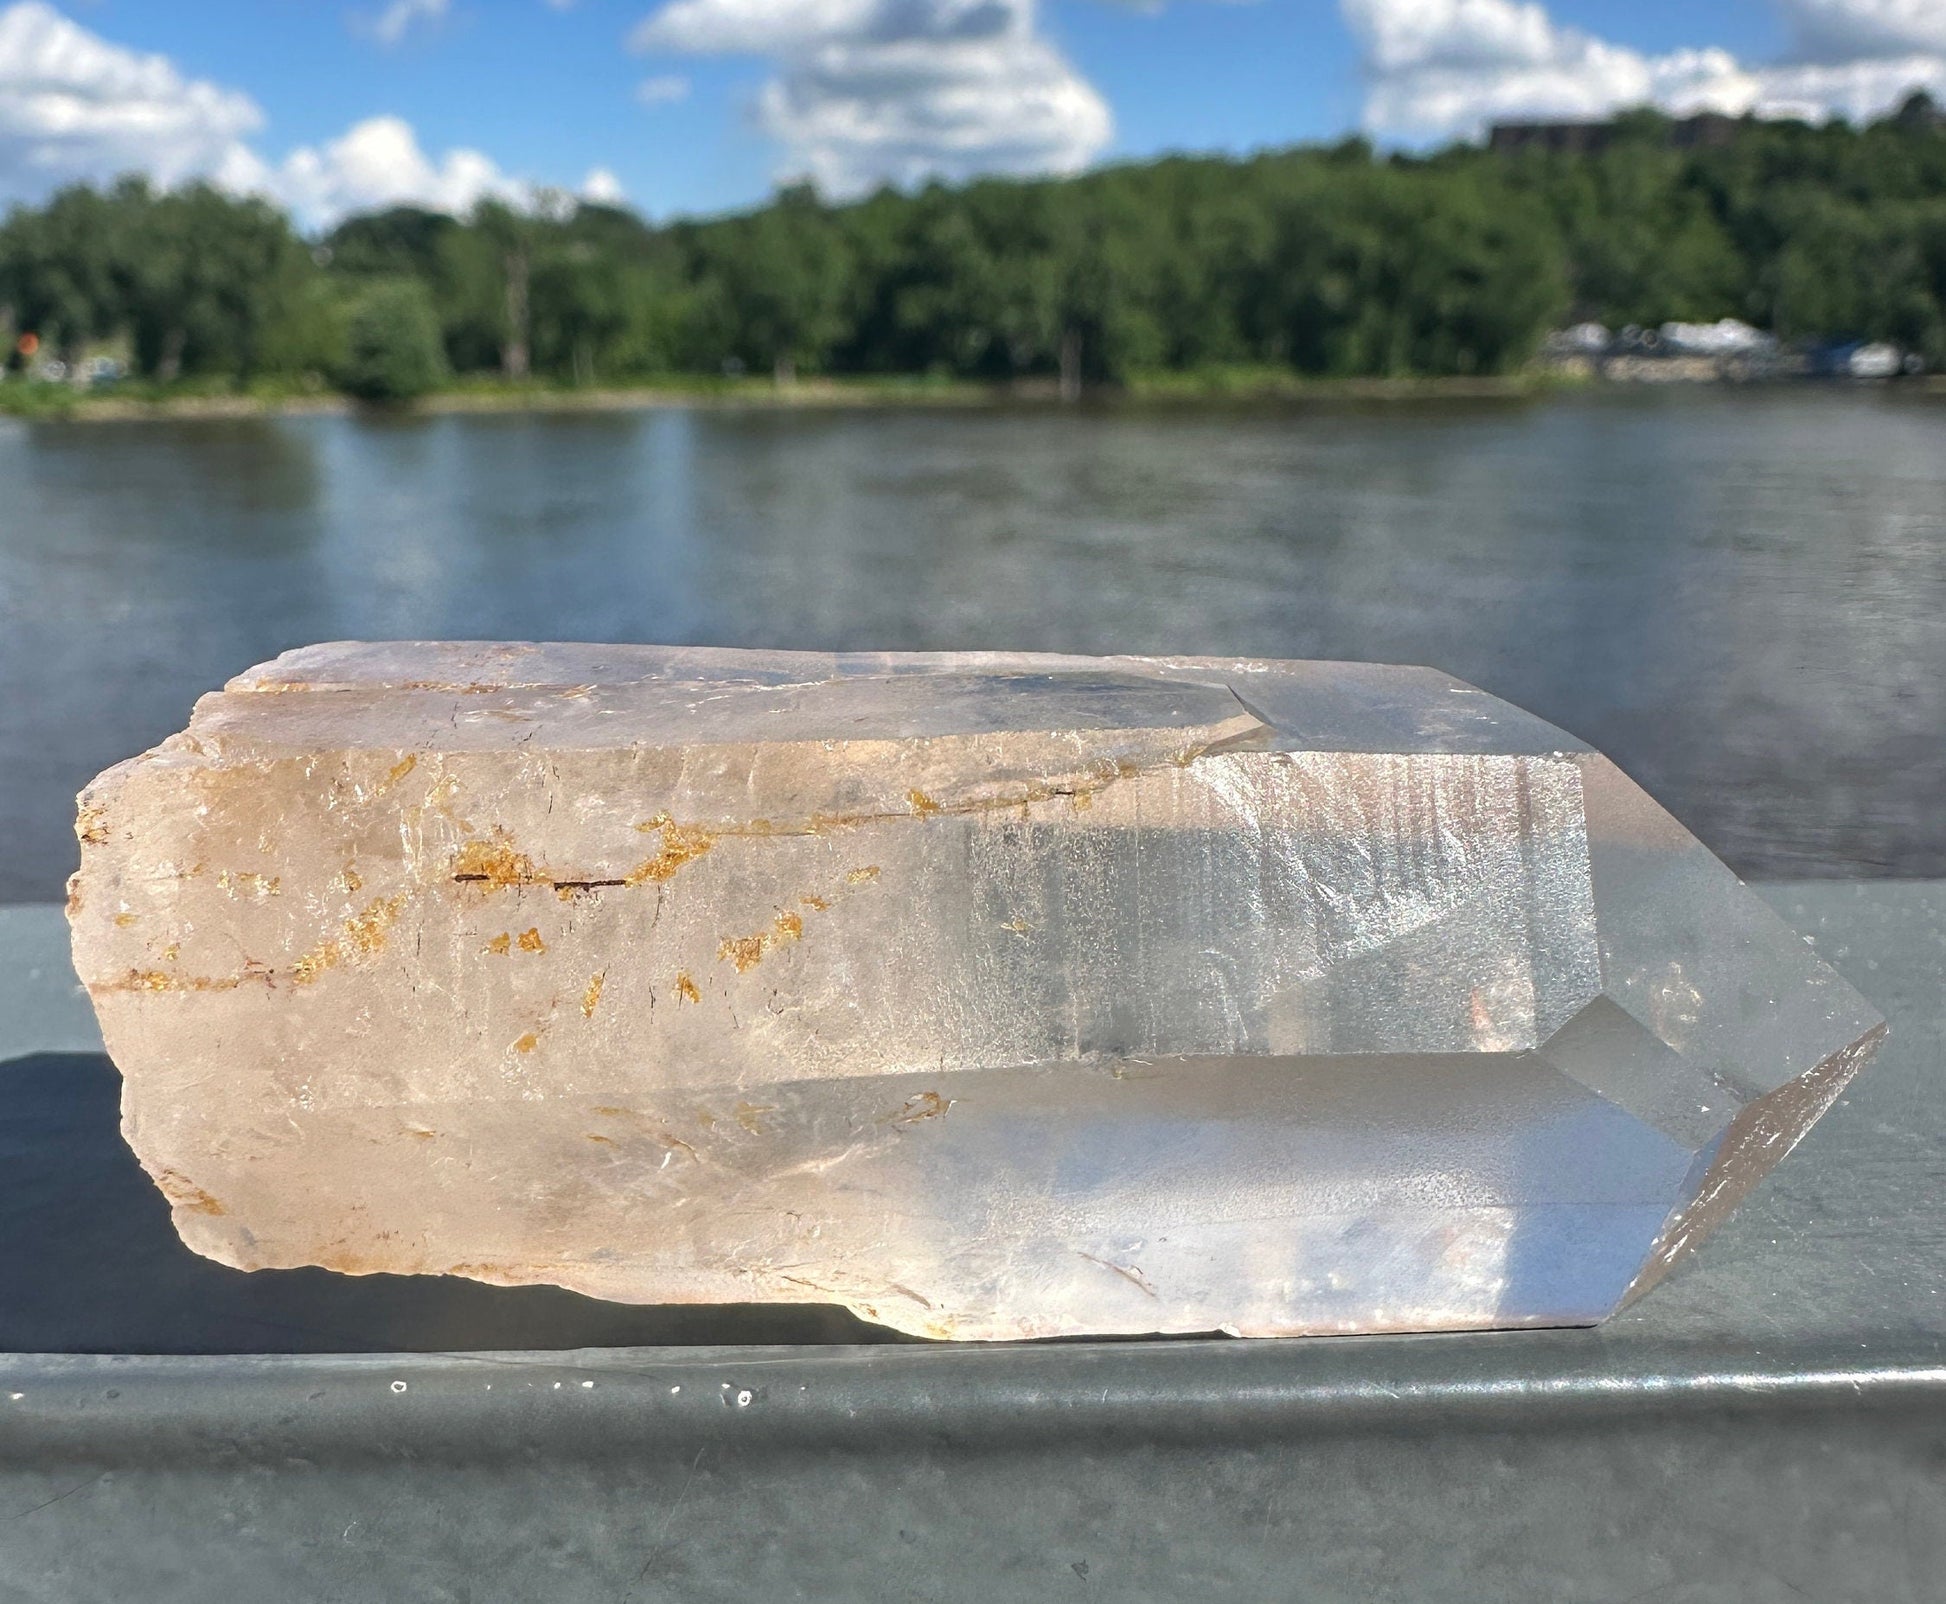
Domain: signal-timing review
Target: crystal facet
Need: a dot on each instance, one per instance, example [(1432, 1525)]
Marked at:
[(989, 995)]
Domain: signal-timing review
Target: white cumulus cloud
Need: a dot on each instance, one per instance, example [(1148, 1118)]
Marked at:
[(1852, 30), (1859, 90), (378, 163), (401, 16), (874, 91), (602, 188), (75, 107), (1439, 68), (753, 27)]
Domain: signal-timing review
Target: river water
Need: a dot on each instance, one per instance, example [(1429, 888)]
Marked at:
[(1740, 595)]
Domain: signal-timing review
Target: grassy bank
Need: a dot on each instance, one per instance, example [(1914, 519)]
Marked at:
[(1253, 383), (1226, 385), (143, 399), (139, 401), (135, 401)]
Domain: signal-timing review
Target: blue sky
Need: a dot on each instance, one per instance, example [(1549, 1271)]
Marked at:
[(685, 106)]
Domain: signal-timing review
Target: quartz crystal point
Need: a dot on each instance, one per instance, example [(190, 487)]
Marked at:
[(990, 996)]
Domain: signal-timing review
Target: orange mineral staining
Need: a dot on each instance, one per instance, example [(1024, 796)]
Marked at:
[(492, 862), (746, 952), (359, 937), (681, 844)]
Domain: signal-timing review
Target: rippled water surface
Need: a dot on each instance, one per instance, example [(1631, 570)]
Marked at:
[(1740, 596)]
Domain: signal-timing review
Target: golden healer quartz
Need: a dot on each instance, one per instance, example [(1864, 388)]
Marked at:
[(992, 996)]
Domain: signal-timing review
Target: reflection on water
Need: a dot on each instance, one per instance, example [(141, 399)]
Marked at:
[(1742, 597)]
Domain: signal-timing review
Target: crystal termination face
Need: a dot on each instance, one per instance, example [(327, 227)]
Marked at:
[(991, 996)]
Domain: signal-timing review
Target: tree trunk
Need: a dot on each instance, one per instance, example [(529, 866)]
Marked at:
[(584, 362), (785, 371), (1070, 364), (513, 355), (168, 367)]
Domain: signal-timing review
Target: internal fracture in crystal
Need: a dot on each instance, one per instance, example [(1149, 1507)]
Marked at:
[(990, 996)]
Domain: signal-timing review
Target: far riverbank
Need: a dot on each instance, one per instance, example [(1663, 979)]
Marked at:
[(1226, 386)]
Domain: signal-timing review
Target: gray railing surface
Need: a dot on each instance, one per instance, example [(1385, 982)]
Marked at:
[(1770, 1424)]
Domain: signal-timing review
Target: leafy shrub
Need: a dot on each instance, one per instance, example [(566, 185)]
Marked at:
[(393, 348)]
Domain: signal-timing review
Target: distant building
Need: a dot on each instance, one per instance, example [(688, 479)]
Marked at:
[(1563, 139), (1707, 130), (1920, 110)]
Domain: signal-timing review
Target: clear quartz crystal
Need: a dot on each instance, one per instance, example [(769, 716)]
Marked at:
[(989, 995)]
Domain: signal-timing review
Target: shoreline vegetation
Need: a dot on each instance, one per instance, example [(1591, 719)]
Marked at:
[(1224, 387), (137, 402), (1315, 272)]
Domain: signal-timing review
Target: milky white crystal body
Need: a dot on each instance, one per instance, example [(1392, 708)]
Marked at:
[(991, 996)]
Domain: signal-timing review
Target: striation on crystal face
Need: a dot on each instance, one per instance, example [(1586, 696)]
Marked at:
[(991, 996)]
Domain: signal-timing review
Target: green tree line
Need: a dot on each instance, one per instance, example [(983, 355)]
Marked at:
[(1326, 260)]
